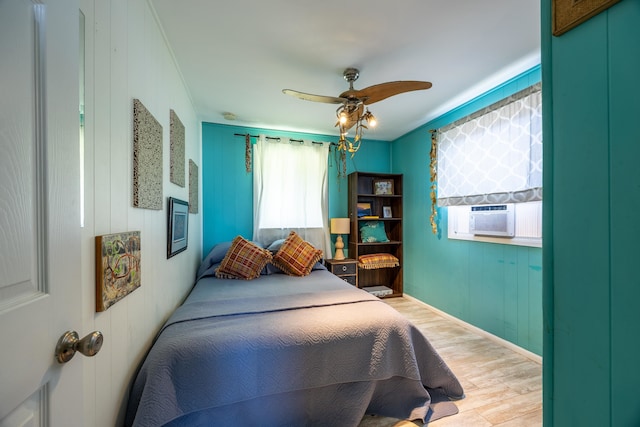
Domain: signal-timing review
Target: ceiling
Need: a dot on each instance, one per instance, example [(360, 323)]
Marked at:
[(236, 56)]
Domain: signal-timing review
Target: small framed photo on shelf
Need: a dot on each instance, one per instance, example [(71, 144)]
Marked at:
[(177, 227), (386, 212), (364, 209), (383, 186)]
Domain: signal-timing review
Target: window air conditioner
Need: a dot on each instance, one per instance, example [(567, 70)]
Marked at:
[(492, 220)]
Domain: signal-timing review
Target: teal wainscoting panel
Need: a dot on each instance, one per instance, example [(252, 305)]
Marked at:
[(593, 291), (530, 298), (510, 300), (227, 189), (624, 149), (582, 215)]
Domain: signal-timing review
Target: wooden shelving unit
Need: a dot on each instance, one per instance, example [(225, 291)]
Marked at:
[(361, 190)]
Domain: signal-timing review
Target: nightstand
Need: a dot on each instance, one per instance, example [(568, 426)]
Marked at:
[(346, 269)]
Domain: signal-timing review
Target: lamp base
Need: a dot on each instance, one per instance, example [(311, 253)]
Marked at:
[(339, 255)]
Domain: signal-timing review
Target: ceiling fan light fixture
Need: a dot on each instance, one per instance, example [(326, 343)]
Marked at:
[(370, 119), (342, 117), (351, 111), (345, 114)]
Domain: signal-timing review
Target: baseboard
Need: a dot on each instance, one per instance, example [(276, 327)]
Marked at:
[(526, 353)]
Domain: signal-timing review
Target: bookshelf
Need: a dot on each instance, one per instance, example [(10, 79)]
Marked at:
[(381, 194)]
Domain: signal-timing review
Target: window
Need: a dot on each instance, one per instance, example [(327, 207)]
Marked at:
[(491, 157), (290, 190)]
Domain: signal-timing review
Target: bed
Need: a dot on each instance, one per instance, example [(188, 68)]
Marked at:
[(282, 350)]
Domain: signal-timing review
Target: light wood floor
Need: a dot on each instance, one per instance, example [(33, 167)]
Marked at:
[(502, 387)]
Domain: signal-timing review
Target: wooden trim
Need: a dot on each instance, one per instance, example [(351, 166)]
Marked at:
[(567, 14)]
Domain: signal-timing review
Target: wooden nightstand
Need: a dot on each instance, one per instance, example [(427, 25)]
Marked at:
[(346, 269)]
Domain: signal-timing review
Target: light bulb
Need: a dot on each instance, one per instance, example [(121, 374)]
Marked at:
[(372, 121), (370, 118)]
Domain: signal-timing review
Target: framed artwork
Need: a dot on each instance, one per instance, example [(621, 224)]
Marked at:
[(193, 187), (386, 212), (567, 14), (383, 186), (364, 209), (178, 227), (117, 267), (147, 158), (176, 146)]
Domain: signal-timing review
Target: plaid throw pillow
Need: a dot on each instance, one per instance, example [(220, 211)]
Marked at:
[(243, 260), (296, 257)]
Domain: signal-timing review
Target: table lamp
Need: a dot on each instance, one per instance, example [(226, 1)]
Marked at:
[(340, 226)]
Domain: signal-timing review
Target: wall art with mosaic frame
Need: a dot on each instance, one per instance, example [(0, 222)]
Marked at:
[(147, 159), (193, 187), (176, 144)]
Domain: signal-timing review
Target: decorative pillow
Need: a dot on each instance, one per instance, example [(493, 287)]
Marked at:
[(244, 260), (215, 256), (372, 261), (275, 245), (270, 268), (373, 231), (213, 259), (296, 257)]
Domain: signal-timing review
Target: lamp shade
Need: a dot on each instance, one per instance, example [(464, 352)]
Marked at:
[(340, 225)]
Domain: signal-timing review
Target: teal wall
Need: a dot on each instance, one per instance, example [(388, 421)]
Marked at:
[(227, 189), (495, 287), (591, 103)]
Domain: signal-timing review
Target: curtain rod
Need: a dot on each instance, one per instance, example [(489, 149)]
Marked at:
[(277, 138)]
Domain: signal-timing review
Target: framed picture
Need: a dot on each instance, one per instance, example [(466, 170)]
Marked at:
[(364, 209), (567, 14), (383, 186), (178, 227), (117, 267), (386, 212)]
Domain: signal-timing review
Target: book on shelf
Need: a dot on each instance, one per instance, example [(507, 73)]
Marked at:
[(370, 217)]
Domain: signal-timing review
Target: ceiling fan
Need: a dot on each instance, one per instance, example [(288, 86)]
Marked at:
[(353, 101)]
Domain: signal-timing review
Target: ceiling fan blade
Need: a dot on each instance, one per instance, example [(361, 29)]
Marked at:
[(314, 98), (382, 91)]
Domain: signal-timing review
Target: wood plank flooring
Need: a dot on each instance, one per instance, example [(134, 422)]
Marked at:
[(502, 387)]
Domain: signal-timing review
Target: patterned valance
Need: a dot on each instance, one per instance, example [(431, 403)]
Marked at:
[(493, 155)]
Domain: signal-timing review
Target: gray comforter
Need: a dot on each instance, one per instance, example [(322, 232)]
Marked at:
[(282, 350)]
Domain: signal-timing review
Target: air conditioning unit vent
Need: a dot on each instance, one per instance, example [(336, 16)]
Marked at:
[(492, 220)]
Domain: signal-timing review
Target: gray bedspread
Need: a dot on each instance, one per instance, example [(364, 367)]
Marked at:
[(282, 350)]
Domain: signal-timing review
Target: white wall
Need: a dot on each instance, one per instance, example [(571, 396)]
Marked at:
[(127, 58)]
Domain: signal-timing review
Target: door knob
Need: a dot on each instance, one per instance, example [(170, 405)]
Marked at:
[(69, 343)]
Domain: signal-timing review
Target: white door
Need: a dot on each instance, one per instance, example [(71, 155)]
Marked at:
[(39, 212)]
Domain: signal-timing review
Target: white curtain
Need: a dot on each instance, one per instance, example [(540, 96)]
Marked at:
[(290, 180), (494, 155)]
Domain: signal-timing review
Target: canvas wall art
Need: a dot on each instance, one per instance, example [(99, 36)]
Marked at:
[(147, 159), (176, 157), (193, 187), (117, 267)]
